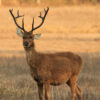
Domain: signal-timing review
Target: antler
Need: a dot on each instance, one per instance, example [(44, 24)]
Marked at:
[(15, 18), (43, 18)]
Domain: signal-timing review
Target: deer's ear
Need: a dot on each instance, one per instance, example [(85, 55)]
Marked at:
[(37, 36), (19, 32)]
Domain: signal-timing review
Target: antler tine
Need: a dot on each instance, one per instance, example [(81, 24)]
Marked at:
[(43, 18), (40, 15), (18, 12), (11, 10), (23, 23), (33, 24), (18, 15), (14, 18), (44, 10)]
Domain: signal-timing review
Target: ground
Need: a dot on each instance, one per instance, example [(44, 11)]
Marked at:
[(75, 29)]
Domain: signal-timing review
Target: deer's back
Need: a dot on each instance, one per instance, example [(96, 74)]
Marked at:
[(73, 57)]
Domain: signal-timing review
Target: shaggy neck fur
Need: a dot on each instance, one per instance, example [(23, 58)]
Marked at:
[(31, 55)]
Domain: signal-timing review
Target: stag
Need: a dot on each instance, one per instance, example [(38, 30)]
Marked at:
[(49, 69)]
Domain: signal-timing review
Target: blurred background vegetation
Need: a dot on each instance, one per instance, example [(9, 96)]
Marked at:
[(49, 2), (67, 28)]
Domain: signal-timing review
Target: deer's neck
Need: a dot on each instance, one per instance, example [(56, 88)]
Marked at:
[(31, 55)]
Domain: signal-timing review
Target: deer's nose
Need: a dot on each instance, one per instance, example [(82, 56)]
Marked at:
[(26, 43)]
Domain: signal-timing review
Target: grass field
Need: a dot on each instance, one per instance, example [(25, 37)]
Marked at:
[(17, 84), (65, 29), (75, 29)]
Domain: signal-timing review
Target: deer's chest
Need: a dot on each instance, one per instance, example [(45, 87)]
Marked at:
[(31, 62), (29, 58)]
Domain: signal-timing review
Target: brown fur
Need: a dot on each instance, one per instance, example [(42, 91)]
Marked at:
[(53, 69), (50, 69)]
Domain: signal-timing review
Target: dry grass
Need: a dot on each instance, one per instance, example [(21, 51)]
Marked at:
[(65, 29), (59, 20), (49, 2), (17, 84)]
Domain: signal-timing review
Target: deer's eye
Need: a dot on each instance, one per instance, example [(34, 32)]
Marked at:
[(24, 37)]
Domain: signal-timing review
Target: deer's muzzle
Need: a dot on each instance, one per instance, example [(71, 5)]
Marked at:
[(26, 44)]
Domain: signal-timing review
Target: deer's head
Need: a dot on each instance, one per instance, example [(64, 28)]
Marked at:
[(28, 37)]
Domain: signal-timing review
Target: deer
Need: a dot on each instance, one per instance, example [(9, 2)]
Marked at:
[(49, 68)]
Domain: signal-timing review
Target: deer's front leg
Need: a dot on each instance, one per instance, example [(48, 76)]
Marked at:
[(40, 90), (47, 91)]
